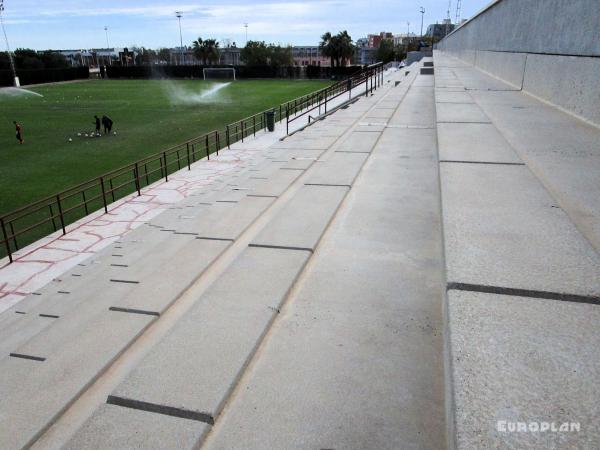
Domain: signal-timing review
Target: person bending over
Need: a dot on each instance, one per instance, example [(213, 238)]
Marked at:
[(107, 123)]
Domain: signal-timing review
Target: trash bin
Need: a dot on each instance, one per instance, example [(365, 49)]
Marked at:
[(271, 120)]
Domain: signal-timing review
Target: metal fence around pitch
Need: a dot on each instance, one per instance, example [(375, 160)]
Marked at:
[(25, 225), (371, 77)]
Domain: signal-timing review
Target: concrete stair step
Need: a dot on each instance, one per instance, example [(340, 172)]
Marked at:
[(193, 370)]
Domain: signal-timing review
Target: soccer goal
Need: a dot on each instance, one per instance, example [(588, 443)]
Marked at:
[(227, 73)]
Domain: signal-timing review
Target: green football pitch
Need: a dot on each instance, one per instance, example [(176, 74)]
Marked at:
[(149, 116)]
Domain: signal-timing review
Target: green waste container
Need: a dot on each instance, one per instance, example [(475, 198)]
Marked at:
[(271, 120)]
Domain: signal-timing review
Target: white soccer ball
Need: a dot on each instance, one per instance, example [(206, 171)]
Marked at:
[(86, 135), (78, 134), (115, 133), (70, 140)]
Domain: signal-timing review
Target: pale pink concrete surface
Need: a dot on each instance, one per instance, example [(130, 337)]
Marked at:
[(41, 262)]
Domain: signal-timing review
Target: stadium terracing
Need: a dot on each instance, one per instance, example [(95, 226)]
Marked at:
[(418, 268)]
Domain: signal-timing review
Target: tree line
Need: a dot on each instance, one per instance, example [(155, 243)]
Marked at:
[(27, 59), (339, 48)]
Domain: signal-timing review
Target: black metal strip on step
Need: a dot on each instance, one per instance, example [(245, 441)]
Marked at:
[(500, 290), (134, 311), (329, 185), (160, 409), (281, 247), (32, 358), (482, 162), (124, 281), (207, 238)]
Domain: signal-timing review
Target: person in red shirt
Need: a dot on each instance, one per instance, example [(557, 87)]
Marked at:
[(19, 132)]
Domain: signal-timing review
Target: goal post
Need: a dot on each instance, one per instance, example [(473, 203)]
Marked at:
[(222, 73)]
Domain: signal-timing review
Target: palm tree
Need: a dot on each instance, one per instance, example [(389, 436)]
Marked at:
[(206, 51), (346, 47), (326, 46), (339, 47), (200, 50), (212, 51)]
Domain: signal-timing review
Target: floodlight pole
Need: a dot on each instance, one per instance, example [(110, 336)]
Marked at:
[(422, 11), (107, 47), (179, 15), (10, 57), (246, 27)]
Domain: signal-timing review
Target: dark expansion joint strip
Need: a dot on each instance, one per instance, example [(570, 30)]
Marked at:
[(328, 185), (482, 162), (206, 238), (32, 358), (281, 247), (524, 293), (161, 409), (134, 311), (124, 281), (49, 316)]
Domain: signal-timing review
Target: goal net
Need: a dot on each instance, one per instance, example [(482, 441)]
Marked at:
[(219, 74)]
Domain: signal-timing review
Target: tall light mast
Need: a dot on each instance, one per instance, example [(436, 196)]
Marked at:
[(10, 57), (179, 15), (458, 11)]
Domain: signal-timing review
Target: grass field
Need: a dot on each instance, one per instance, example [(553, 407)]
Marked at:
[(149, 116)]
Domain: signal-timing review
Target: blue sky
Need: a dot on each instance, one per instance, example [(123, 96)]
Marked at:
[(79, 24)]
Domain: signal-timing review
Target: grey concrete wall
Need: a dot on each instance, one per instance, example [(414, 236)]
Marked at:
[(547, 48), (565, 27)]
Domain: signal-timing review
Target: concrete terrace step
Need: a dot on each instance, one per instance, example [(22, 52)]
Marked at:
[(303, 180), (520, 219), (213, 343), (355, 360)]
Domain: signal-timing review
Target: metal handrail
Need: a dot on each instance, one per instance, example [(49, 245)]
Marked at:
[(51, 212), (372, 74)]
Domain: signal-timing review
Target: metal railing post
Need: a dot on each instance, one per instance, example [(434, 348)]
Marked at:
[(207, 145), (112, 191), (103, 194), (14, 235), (52, 216), (136, 175), (164, 155), (217, 141), (227, 136), (188, 157), (60, 213), (6, 243), (254, 124), (287, 119), (84, 205)]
